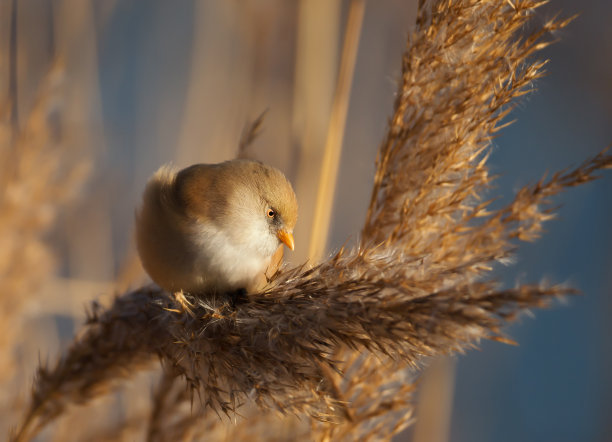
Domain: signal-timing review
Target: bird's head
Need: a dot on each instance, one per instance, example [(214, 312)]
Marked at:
[(252, 203)]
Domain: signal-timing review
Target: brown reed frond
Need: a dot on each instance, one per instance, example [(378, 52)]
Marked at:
[(175, 418), (167, 421), (414, 286), (271, 349), (38, 174), (36, 177), (378, 392), (112, 347)]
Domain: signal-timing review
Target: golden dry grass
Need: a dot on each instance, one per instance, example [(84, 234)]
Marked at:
[(37, 176), (333, 343)]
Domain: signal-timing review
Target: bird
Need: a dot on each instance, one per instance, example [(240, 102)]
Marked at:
[(215, 228)]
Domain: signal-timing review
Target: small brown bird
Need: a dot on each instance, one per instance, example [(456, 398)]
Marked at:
[(215, 227)]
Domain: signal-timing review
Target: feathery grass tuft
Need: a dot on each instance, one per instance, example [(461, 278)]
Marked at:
[(38, 175)]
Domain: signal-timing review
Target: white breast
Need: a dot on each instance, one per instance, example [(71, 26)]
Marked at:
[(229, 260)]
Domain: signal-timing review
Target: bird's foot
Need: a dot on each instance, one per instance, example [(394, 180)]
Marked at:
[(238, 297)]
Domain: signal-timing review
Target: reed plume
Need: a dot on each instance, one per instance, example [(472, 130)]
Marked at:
[(38, 175), (416, 285)]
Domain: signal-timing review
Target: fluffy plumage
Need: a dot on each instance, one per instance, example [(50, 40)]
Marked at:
[(215, 227)]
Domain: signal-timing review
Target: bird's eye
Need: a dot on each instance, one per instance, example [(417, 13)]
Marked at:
[(271, 213)]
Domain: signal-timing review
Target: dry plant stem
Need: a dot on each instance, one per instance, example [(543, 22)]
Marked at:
[(330, 166), (315, 80), (175, 417), (160, 400), (434, 406), (414, 287), (166, 422), (379, 394), (249, 133), (335, 133)]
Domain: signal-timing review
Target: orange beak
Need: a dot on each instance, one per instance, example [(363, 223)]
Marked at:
[(286, 238)]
